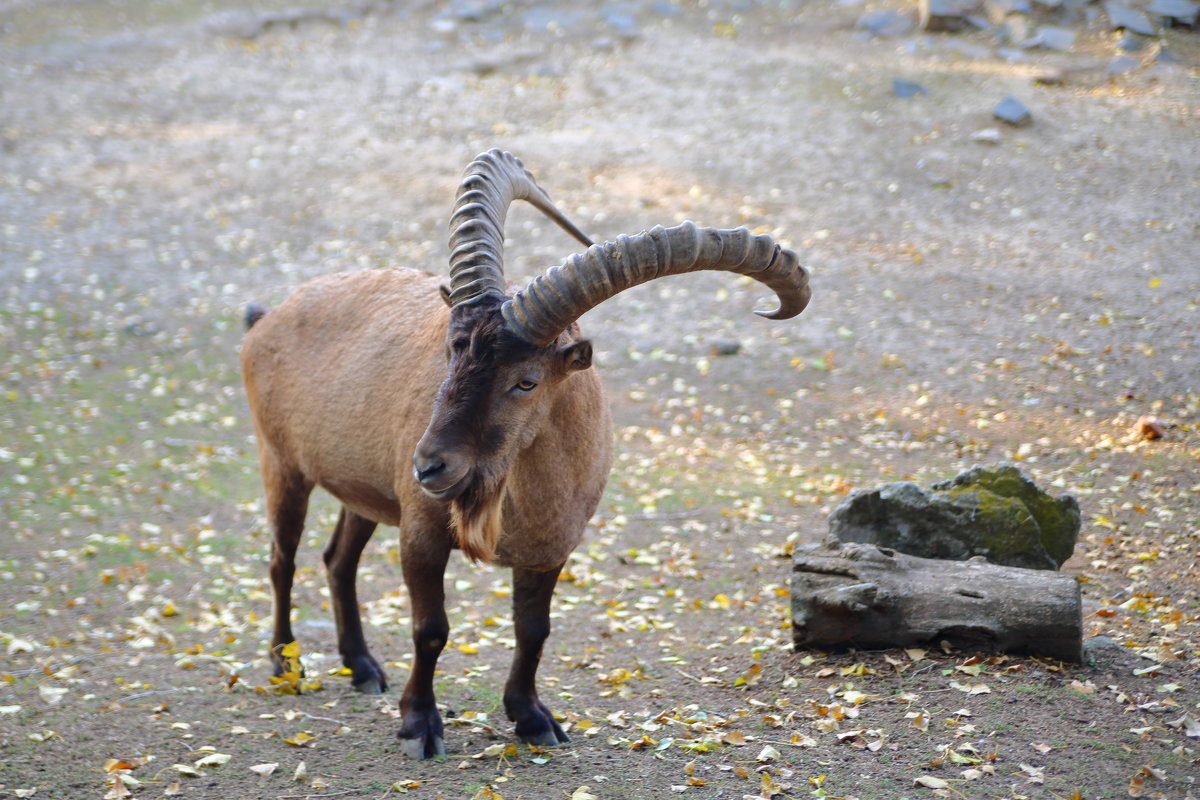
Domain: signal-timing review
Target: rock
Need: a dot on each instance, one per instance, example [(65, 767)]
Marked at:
[(942, 15), (1012, 111), (1122, 64), (662, 8), (622, 20), (1149, 429), (986, 136), (1097, 643), (1054, 38), (884, 22), (1015, 30), (725, 347), (1165, 56), (1120, 16), (1180, 12), (906, 89), (547, 16), (1131, 43), (995, 512)]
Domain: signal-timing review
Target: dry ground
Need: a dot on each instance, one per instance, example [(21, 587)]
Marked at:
[(974, 302)]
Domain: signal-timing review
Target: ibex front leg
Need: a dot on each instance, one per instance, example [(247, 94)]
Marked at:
[(341, 561), (424, 570), (532, 591)]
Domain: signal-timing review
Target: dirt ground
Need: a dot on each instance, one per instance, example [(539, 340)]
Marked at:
[(1023, 295)]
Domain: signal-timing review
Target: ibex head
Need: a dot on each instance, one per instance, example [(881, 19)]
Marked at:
[(509, 355)]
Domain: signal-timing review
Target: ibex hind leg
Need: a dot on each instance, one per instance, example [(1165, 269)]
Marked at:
[(287, 506), (532, 592), (341, 564)]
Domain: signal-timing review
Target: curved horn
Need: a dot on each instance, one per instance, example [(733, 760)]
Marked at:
[(492, 181), (559, 296)]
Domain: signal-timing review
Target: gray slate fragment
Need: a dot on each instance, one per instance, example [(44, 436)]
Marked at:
[(994, 512), (941, 15), (1131, 43), (906, 89), (885, 22), (1180, 11), (1055, 38), (1122, 64), (1121, 16), (1013, 111)]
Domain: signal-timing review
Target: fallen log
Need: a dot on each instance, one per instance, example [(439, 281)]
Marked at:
[(869, 597)]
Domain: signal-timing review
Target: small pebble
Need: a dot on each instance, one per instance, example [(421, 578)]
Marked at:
[(906, 89), (1012, 111), (987, 136), (1148, 429)]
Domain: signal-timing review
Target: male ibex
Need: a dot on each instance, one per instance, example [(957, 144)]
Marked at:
[(468, 417)]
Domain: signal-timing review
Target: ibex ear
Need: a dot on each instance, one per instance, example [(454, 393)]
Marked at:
[(444, 288), (577, 355)]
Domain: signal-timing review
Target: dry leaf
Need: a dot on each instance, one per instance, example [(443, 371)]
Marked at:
[(265, 770), (768, 753), (930, 782), (213, 760)]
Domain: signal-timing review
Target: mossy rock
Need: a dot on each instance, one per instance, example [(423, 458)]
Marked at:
[(994, 512)]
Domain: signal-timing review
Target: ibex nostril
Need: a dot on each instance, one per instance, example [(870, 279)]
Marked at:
[(424, 470)]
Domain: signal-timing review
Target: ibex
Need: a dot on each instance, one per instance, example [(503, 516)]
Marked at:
[(468, 416)]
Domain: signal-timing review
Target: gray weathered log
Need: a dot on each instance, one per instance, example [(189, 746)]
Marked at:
[(860, 595)]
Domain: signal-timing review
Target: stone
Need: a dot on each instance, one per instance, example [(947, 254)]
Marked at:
[(906, 89), (1012, 111), (1055, 38), (1165, 56), (884, 22), (1148, 429), (986, 136), (1121, 16), (993, 512), (1122, 64), (725, 347), (1131, 43), (942, 15), (1101, 643), (1181, 12)]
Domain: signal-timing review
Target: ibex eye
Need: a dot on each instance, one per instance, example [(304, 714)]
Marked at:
[(526, 386)]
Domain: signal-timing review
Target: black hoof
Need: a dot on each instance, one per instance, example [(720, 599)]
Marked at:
[(365, 674), (537, 726), (550, 738), (421, 748), (370, 686)]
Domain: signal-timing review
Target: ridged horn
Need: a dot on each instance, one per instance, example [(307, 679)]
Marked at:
[(489, 185), (556, 298)]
